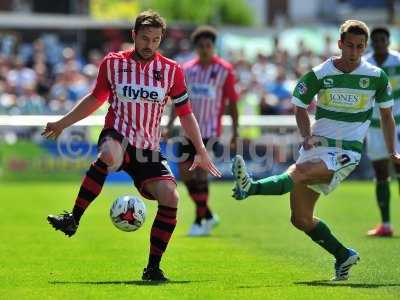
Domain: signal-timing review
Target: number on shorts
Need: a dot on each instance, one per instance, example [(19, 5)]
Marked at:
[(343, 159)]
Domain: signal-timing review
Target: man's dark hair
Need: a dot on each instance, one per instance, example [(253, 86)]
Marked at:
[(204, 32), (150, 18), (380, 29)]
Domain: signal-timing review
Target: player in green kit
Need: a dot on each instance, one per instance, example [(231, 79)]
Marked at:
[(347, 89), (389, 61)]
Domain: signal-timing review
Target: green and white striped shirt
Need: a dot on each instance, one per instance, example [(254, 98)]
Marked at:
[(345, 101), (391, 66)]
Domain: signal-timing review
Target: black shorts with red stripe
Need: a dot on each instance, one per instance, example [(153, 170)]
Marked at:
[(142, 165), (186, 150)]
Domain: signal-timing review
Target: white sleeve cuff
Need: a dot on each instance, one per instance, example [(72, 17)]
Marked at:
[(296, 101), (386, 104)]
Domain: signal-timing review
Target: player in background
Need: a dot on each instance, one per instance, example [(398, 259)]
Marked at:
[(388, 61), (137, 83), (211, 87), (347, 89)]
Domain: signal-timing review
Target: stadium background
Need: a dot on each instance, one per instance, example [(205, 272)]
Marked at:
[(49, 53)]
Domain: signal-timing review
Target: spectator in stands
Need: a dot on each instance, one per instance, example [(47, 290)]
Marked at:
[(59, 104), (186, 53), (244, 73), (263, 70), (94, 60), (281, 90), (4, 67), (95, 57), (7, 100), (77, 85), (43, 81), (20, 76), (30, 102)]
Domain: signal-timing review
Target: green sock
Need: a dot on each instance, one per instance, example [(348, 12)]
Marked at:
[(323, 237), (383, 198), (273, 185)]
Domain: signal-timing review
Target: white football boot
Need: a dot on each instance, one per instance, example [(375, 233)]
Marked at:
[(210, 224), (242, 178), (198, 230), (342, 270)]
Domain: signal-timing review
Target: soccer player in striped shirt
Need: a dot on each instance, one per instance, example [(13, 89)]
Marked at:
[(137, 83), (389, 61), (211, 85), (348, 88)]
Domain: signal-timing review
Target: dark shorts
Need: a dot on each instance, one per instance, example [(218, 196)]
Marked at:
[(142, 165), (186, 150)]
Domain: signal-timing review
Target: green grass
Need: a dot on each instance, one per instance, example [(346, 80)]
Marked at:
[(254, 254)]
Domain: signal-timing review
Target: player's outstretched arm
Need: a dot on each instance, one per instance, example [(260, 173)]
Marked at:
[(202, 160), (389, 132), (84, 108)]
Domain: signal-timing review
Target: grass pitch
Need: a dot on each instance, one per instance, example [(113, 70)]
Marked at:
[(254, 254)]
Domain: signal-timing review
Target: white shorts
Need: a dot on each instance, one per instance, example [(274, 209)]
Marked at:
[(341, 162), (376, 146)]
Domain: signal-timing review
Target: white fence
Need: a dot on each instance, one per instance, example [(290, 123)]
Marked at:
[(246, 121)]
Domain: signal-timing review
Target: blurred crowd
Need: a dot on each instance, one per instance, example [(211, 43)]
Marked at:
[(266, 83), (48, 77), (44, 77)]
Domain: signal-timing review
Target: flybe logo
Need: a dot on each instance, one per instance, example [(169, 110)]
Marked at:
[(140, 93), (199, 90)]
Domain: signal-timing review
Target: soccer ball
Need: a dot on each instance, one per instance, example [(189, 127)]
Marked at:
[(128, 213)]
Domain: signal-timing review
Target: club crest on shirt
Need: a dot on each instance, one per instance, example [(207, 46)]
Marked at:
[(364, 82), (157, 75), (343, 159), (213, 74), (328, 82)]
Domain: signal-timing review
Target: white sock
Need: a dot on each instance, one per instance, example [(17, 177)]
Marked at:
[(386, 224)]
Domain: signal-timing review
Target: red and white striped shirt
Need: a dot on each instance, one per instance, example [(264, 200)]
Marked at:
[(209, 89), (138, 93)]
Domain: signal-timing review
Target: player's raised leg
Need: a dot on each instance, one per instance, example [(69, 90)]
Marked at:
[(304, 173), (164, 191), (109, 159), (246, 186)]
